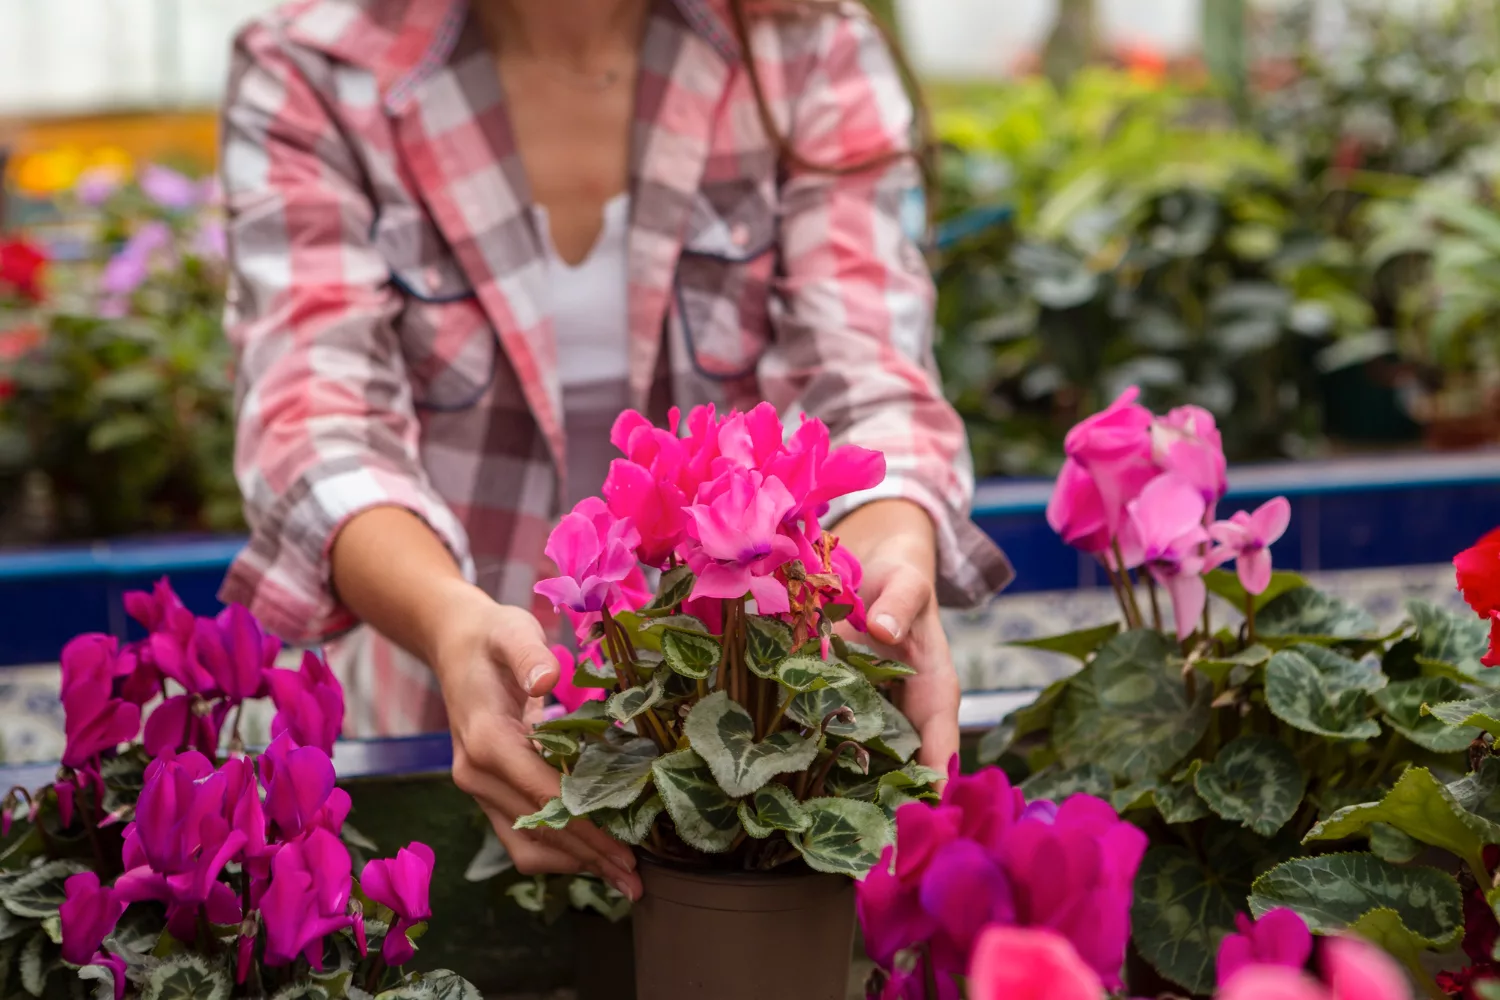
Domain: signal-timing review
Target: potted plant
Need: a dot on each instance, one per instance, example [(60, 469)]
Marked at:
[(166, 861), (749, 748)]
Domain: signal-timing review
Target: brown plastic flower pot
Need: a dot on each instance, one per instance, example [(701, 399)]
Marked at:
[(706, 935)]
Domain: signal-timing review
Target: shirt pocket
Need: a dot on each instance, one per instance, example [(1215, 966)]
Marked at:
[(448, 343), (724, 279)]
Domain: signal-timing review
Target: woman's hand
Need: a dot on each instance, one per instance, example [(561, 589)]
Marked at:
[(896, 544), (491, 660)]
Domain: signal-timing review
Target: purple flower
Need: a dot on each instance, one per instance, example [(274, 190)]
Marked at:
[(117, 966), (300, 792), (308, 898), (594, 552), (94, 720), (309, 703), (235, 652), (184, 722), (97, 185), (211, 241), (88, 915), (1279, 937), (129, 268), (402, 884), (171, 190)]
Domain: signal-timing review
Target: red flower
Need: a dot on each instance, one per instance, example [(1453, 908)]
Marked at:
[(1479, 579), (23, 265)]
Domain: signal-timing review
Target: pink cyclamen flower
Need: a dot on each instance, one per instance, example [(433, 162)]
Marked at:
[(1076, 510), (816, 474), (1165, 534), (1247, 539), (94, 720), (309, 703), (235, 651), (245, 813), (1114, 448), (1279, 937), (1352, 970), (88, 915), (568, 694), (299, 783), (1187, 443), (308, 898), (735, 525), (401, 883), (1017, 963), (650, 502), (594, 552)]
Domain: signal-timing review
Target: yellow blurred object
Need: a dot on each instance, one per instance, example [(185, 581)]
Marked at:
[(49, 155), (43, 175)]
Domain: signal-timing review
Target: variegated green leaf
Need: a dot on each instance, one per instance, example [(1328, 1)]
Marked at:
[(1321, 692), (609, 775), (810, 708), (723, 734), (1056, 783), (553, 816), (703, 815), (690, 655), (1178, 800), (633, 823), (1402, 703), (1482, 712), (186, 976), (768, 641), (1255, 781), (1310, 613), (843, 836), (1180, 913), (590, 717), (898, 738), (773, 808), (810, 673), (1446, 637), (675, 587), (557, 744), (38, 893), (632, 702)]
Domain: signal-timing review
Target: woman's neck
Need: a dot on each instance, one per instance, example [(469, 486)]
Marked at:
[(575, 32)]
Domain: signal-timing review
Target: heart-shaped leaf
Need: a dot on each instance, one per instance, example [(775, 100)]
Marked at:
[(1221, 669), (609, 775), (690, 655), (557, 744), (632, 824), (1482, 712), (1128, 700), (898, 738), (811, 673), (1178, 800), (1446, 637), (768, 642), (810, 708), (1255, 781), (38, 893), (773, 808), (627, 704), (1227, 585), (1079, 645), (186, 976), (675, 587), (590, 717), (843, 836), (1402, 703), (1321, 692), (1421, 807), (1309, 613), (703, 815), (723, 734), (1055, 784), (1180, 913), (877, 669), (1479, 790), (1022, 722), (553, 816), (1333, 891)]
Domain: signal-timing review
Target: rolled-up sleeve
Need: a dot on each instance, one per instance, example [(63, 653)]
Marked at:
[(853, 343), (326, 426)]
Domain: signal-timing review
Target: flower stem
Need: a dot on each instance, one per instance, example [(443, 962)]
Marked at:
[(1128, 585), (780, 714), (1155, 604), (1250, 617), (929, 972)]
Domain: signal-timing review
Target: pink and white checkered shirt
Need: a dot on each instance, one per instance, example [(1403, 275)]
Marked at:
[(388, 290)]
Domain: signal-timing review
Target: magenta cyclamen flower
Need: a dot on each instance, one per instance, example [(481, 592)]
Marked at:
[(1352, 969), (309, 703), (88, 915), (300, 792), (594, 552), (1279, 937), (235, 652), (736, 526), (180, 825), (1013, 963), (815, 473), (184, 722), (1166, 535), (1114, 448), (1076, 510), (1247, 539), (308, 898), (1187, 443), (401, 883), (94, 720)]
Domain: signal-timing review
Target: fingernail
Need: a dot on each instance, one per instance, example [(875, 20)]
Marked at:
[(623, 888), (538, 673), (889, 624)]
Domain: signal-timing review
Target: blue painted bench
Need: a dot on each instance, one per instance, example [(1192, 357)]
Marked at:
[(1353, 513)]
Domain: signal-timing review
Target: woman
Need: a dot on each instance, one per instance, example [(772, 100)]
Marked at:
[(465, 236)]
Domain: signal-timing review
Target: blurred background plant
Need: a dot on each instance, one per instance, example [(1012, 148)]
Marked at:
[(117, 414)]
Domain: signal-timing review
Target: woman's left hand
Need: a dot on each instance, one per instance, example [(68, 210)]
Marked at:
[(896, 544)]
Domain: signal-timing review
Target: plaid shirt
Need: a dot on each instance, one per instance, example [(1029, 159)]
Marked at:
[(388, 280)]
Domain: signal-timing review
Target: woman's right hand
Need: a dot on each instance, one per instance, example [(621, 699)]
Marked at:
[(491, 660)]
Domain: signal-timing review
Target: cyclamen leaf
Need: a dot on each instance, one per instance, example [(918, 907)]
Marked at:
[(587, 894), (591, 717), (810, 673), (553, 816), (632, 702), (690, 655), (1310, 613), (1402, 704), (609, 775), (1126, 699), (1058, 783), (1219, 670), (898, 739), (773, 808), (558, 744), (703, 815), (439, 985), (1482, 712), (633, 823), (723, 734), (589, 674), (1321, 692), (104, 979), (1255, 781), (1178, 800), (39, 893), (1445, 637), (34, 969), (1479, 791), (1384, 928), (1333, 891), (769, 642), (186, 976), (843, 836), (1226, 584), (1180, 913), (676, 623), (301, 991), (1423, 808), (1079, 645), (810, 708), (676, 586), (1022, 722)]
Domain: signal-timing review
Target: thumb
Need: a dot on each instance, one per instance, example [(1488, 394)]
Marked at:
[(903, 598), (519, 645)]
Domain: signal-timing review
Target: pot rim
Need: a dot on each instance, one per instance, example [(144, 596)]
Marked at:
[(797, 872)]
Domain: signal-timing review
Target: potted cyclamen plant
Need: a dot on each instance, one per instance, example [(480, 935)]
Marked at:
[(751, 752), (167, 861)]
